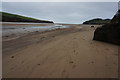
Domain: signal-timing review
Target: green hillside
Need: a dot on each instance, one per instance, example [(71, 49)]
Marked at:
[(97, 21), (8, 17)]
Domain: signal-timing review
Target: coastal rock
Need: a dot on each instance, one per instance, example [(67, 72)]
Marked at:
[(109, 32)]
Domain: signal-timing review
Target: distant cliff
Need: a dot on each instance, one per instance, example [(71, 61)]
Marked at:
[(109, 32), (97, 21), (8, 17)]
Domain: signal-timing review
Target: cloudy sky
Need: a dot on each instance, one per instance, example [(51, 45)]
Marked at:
[(62, 12)]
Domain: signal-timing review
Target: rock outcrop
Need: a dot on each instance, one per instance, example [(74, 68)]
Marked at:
[(109, 32)]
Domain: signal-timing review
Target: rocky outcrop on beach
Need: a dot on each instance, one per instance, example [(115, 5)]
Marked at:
[(109, 32)]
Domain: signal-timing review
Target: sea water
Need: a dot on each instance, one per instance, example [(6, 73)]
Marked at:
[(22, 28)]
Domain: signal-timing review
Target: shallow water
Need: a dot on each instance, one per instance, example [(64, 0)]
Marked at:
[(18, 29)]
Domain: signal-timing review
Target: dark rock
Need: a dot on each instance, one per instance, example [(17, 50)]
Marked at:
[(38, 64), (92, 26), (12, 56), (37, 31), (6, 36), (71, 62), (109, 32)]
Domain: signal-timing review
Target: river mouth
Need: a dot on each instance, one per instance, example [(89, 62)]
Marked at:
[(23, 28)]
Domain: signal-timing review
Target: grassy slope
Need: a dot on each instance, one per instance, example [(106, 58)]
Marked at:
[(97, 21), (8, 17)]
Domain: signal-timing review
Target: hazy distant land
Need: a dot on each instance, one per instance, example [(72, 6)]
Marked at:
[(97, 21)]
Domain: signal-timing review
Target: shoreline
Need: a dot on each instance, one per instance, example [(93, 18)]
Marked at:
[(16, 38), (18, 30)]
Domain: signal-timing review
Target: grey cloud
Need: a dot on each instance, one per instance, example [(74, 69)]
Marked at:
[(67, 12)]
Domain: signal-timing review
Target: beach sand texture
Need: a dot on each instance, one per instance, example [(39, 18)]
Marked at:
[(62, 53)]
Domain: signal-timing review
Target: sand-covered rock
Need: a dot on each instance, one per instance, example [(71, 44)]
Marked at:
[(109, 32)]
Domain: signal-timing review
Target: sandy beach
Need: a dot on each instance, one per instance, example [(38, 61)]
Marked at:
[(60, 53)]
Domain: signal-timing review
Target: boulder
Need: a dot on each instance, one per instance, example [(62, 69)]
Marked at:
[(92, 26), (109, 32)]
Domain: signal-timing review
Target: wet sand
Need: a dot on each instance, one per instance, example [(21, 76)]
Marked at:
[(61, 53)]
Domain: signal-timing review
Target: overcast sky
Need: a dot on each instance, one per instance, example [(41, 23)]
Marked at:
[(62, 12)]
